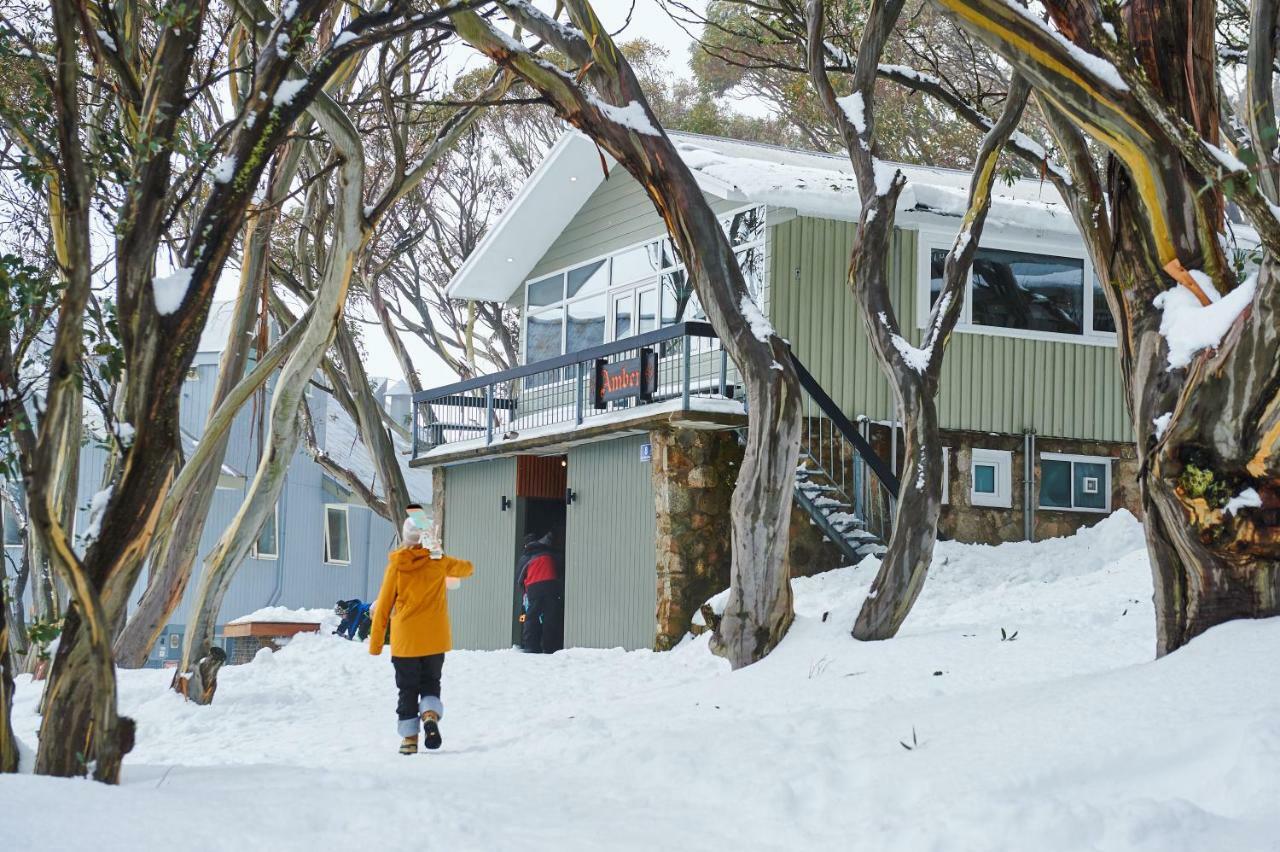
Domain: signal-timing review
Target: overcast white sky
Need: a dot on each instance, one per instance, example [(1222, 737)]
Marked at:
[(648, 21)]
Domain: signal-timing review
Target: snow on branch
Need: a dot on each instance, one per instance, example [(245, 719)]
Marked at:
[(632, 116)]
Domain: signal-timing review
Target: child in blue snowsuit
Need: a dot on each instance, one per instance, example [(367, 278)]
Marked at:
[(355, 618)]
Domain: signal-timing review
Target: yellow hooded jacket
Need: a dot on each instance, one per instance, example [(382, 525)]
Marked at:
[(414, 587)]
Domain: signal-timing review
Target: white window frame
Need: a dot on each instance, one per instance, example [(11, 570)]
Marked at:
[(1002, 461), (173, 640), (346, 516), (1040, 243), (635, 284), (1105, 461), (257, 554)]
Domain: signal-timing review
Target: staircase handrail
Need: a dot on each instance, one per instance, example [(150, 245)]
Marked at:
[(842, 424)]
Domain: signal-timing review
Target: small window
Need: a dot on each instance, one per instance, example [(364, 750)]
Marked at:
[(267, 545), (174, 639), (547, 291), (337, 541), (193, 375), (1075, 483), (991, 478)]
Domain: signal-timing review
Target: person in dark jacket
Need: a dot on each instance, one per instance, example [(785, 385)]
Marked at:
[(355, 618), (541, 579)]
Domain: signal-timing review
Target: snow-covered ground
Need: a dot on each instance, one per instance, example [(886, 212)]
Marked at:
[(1068, 737)]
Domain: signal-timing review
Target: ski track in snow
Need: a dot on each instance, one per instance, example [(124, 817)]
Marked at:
[(1069, 737)]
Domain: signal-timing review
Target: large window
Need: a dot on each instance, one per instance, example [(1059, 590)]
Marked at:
[(632, 291), (337, 538), (1075, 483), (267, 545), (1027, 293)]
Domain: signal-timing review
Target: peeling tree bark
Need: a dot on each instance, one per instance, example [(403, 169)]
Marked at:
[(1156, 110)]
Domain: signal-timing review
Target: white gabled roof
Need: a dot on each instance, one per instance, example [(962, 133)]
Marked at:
[(545, 205), (808, 182)]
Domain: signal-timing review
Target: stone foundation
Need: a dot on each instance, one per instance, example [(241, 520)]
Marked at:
[(965, 522), (694, 472)]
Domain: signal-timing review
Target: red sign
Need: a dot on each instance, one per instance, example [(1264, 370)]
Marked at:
[(635, 377)]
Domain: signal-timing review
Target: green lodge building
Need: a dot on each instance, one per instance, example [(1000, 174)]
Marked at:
[(619, 431)]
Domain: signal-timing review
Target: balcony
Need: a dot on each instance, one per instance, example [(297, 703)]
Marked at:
[(679, 374)]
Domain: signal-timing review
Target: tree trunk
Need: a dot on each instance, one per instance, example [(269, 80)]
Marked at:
[(8, 744), (905, 564), (179, 542), (759, 610), (914, 372), (1209, 429), (285, 425)]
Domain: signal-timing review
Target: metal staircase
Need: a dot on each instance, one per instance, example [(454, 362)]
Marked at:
[(847, 490)]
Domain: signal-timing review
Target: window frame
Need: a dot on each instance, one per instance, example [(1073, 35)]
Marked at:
[(1002, 461), (346, 516), (257, 554), (1038, 243), (1073, 458), (636, 284)]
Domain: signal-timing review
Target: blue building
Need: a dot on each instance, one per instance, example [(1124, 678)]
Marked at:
[(323, 544)]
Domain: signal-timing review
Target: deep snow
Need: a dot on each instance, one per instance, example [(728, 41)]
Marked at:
[(1068, 737)]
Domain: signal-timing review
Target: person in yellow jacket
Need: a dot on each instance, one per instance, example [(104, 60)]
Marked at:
[(413, 597)]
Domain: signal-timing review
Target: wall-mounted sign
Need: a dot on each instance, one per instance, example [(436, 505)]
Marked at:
[(646, 452), (633, 378)]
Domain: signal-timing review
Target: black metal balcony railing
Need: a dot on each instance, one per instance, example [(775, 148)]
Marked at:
[(557, 392)]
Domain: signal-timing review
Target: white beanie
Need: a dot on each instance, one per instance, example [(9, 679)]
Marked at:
[(409, 533)]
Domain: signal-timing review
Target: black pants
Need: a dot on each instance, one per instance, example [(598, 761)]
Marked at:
[(417, 678), (544, 620)]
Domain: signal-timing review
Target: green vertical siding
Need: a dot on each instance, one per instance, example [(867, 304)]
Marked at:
[(990, 383), (476, 529), (617, 215), (611, 586)]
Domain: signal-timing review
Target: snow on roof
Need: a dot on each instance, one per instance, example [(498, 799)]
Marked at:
[(342, 443), (285, 615), (809, 182), (823, 185)]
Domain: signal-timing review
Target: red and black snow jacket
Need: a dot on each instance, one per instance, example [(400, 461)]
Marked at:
[(537, 565)]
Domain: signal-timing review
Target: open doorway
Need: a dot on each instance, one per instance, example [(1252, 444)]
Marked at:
[(540, 511)]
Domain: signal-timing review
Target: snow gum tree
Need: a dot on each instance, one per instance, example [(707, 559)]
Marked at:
[(339, 225), (1198, 315), (111, 118), (597, 92), (914, 372)]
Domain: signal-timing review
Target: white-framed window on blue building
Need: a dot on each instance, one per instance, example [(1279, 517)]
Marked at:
[(12, 532), (1021, 288), (337, 534), (630, 291), (267, 544), (1075, 483)]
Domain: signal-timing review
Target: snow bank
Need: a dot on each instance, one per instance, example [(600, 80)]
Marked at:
[(1069, 737)]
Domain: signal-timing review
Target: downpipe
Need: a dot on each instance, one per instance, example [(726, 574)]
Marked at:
[(1028, 484)]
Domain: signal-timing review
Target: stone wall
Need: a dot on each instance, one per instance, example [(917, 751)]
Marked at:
[(694, 472), (965, 522)]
